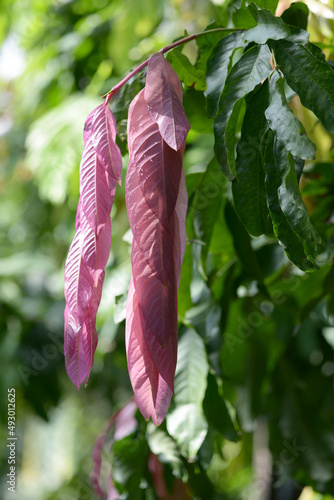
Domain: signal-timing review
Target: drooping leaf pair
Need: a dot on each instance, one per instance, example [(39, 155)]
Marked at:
[(100, 170), (156, 199)]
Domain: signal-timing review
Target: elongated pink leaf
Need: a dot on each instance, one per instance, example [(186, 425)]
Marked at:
[(153, 239), (78, 281), (105, 130), (163, 96), (158, 302), (95, 196), (158, 166), (152, 393)]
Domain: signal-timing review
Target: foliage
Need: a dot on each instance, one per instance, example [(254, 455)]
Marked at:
[(255, 356)]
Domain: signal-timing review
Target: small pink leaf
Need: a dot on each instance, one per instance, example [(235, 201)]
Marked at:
[(105, 130), (158, 166), (163, 96), (152, 393)]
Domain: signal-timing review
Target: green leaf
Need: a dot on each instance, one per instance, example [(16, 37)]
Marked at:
[(248, 189), (289, 215), (267, 4), (128, 462), (249, 71), (188, 427), (311, 78), (191, 370), (242, 245), (268, 26), (285, 124), (195, 108), (216, 411), (232, 132), (296, 15), (188, 74), (206, 204), (217, 69), (206, 42)]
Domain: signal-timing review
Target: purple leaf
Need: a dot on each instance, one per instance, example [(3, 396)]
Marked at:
[(153, 239), (163, 96), (158, 302), (105, 130), (152, 393), (95, 195), (158, 166)]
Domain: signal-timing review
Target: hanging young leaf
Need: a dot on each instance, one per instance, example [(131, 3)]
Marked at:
[(311, 78), (285, 124), (163, 96), (152, 393), (158, 166), (248, 189), (249, 71)]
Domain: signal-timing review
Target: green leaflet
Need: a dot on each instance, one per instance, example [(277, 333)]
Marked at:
[(205, 44), (311, 78), (249, 71), (206, 204), (291, 222), (187, 424), (268, 26), (188, 74), (285, 124), (216, 411), (217, 69), (296, 15), (243, 247), (267, 4), (248, 189)]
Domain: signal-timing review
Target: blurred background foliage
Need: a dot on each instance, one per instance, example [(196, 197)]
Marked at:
[(261, 326)]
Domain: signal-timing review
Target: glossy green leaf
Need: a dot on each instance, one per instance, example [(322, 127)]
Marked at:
[(268, 26), (311, 78), (206, 42), (296, 15), (289, 215), (285, 124), (248, 189), (188, 427), (267, 4), (191, 370), (217, 69), (249, 71), (206, 204), (242, 245), (188, 74), (216, 411)]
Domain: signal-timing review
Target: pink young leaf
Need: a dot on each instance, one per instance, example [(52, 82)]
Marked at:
[(153, 239), (158, 302), (158, 166), (95, 196), (78, 281), (163, 96), (105, 130), (79, 347), (95, 248), (152, 393)]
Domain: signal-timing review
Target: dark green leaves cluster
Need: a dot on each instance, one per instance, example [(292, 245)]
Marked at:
[(260, 144)]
